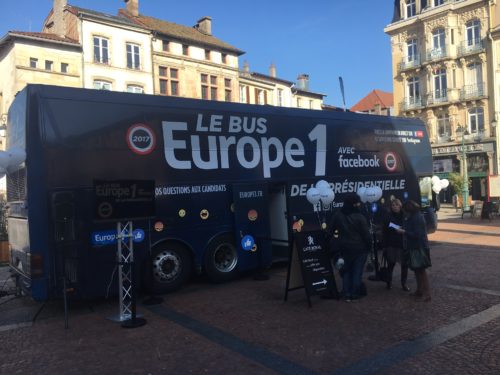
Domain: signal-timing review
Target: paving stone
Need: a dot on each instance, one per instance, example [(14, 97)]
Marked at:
[(246, 327)]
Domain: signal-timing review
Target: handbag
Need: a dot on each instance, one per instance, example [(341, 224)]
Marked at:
[(419, 258), (383, 271)]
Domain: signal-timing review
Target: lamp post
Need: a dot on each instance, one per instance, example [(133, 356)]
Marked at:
[(465, 187)]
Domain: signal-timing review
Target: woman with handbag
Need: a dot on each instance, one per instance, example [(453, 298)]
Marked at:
[(393, 244), (416, 248)]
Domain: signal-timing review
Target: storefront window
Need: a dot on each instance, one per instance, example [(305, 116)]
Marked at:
[(477, 163)]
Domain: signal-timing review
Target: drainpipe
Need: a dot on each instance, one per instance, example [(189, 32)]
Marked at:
[(151, 52), (83, 55), (495, 90)]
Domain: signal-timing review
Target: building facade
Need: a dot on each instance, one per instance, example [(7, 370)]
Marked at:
[(28, 57), (445, 67), (116, 53), (131, 52)]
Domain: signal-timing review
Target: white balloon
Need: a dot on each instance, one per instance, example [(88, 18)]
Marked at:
[(4, 159), (312, 195), (326, 195), (322, 184), (16, 156), (445, 183), (436, 188), (361, 193), (378, 190), (371, 194), (435, 180)]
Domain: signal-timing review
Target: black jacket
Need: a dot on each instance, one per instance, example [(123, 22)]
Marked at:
[(391, 237), (353, 232), (416, 232)]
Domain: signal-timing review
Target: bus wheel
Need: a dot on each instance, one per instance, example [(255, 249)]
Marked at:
[(171, 267), (221, 259)]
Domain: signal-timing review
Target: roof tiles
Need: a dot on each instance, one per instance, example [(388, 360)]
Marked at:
[(170, 29), (376, 97), (45, 36)]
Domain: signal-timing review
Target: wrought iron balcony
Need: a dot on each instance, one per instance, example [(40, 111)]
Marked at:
[(478, 136), (471, 46), (409, 62), (438, 97), (444, 138), (474, 91), (437, 53), (411, 103)]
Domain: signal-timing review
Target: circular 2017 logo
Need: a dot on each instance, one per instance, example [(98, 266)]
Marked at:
[(391, 161), (141, 139)]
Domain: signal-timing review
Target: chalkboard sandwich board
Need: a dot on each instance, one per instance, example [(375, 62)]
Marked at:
[(310, 266)]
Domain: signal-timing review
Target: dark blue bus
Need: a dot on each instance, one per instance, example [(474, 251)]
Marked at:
[(230, 181)]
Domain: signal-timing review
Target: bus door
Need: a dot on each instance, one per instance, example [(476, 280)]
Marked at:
[(252, 229), (278, 215)]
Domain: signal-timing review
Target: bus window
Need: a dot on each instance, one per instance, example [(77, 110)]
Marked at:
[(425, 184)]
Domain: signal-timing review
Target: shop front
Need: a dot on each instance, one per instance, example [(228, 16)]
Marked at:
[(480, 164)]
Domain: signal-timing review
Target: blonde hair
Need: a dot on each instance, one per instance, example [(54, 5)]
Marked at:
[(397, 201)]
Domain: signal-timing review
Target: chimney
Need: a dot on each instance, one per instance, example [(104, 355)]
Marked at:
[(272, 71), (204, 25), (303, 82), (59, 24), (132, 7), (246, 67)]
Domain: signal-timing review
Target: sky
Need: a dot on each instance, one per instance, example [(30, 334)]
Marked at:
[(325, 39)]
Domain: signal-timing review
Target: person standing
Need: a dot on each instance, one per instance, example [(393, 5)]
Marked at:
[(393, 243), (353, 244), (416, 248)]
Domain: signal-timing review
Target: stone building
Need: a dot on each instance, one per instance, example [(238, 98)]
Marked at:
[(115, 52), (135, 53), (445, 68), (27, 57)]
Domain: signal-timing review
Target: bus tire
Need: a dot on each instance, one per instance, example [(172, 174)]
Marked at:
[(171, 267), (221, 259)]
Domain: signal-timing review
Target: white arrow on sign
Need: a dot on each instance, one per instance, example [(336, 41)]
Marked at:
[(321, 282)]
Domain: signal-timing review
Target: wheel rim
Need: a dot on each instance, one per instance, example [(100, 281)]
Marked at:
[(225, 257), (166, 266)]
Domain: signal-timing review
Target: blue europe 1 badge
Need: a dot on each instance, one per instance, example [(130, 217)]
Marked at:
[(108, 237), (247, 243)]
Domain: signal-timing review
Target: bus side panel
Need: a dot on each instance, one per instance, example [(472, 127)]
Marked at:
[(192, 214)]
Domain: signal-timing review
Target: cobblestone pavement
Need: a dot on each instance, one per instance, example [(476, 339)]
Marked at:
[(246, 327)]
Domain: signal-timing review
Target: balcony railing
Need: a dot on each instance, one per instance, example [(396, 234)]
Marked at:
[(437, 53), (478, 136), (474, 91), (471, 46), (438, 97), (444, 138), (411, 103), (409, 62)]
